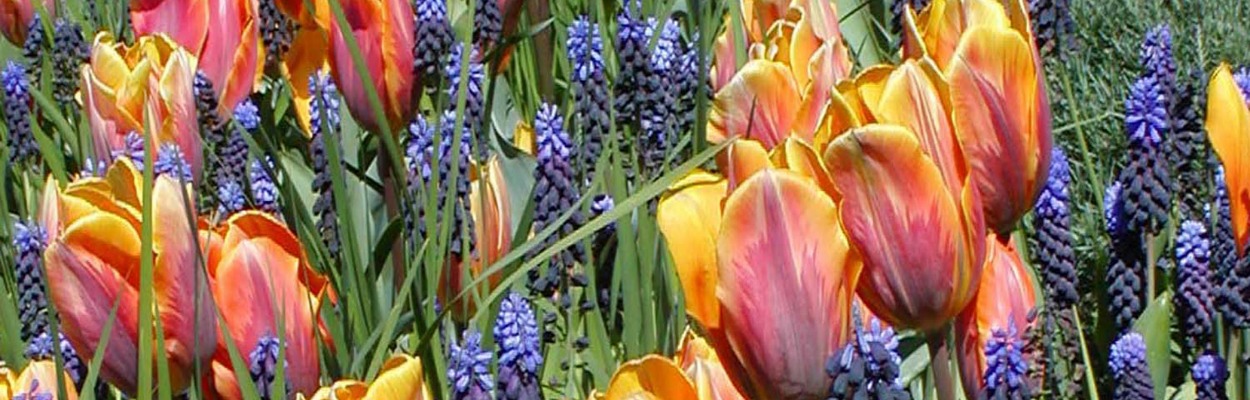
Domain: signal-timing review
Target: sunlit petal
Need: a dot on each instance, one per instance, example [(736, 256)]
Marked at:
[(689, 217)]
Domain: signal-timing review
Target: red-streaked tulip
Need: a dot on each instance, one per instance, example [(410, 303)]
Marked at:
[(383, 32), (38, 379), (222, 34), (93, 263), (1003, 303), (492, 227), (16, 15), (258, 273), (704, 368), (909, 207), (307, 54), (402, 377), (1228, 128), (129, 88), (998, 103)]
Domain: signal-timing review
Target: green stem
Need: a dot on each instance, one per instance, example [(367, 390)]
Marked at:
[(939, 361), (1089, 366), (1152, 254), (1234, 350), (1245, 369)]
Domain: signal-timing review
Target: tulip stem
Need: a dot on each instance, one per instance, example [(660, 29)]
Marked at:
[(940, 362)]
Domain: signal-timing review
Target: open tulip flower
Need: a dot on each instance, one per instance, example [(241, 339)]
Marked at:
[(402, 377), (1228, 128), (765, 266), (1003, 304), (997, 95), (126, 88), (222, 34), (92, 264), (383, 31), (16, 16), (259, 274), (788, 85), (695, 372), (491, 207), (37, 381)]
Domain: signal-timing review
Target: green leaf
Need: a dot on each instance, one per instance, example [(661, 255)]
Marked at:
[(1153, 325)]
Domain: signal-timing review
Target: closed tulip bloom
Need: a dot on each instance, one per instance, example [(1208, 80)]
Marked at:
[(650, 377), (996, 319), (491, 208), (704, 368), (1228, 128), (123, 87), (93, 261), (38, 381), (402, 377), (16, 17), (908, 183), (259, 274), (383, 31)]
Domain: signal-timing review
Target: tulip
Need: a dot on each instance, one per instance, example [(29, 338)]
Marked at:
[(259, 273), (909, 205), (1003, 303), (38, 380), (998, 103), (130, 88), (401, 377), (703, 366), (222, 34), (650, 377), (492, 229), (92, 264), (383, 31), (16, 16), (1228, 128), (789, 91)]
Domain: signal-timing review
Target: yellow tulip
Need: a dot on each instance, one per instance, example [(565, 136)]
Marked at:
[(39, 378), (402, 378)]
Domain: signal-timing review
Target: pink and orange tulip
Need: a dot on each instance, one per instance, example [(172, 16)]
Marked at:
[(1228, 128), (765, 266), (402, 377), (909, 204), (130, 88), (1004, 301), (16, 15), (258, 274), (92, 262), (695, 372), (383, 31), (222, 34), (38, 379), (997, 95), (492, 228)]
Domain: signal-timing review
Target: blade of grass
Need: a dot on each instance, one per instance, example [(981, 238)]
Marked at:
[(145, 269)]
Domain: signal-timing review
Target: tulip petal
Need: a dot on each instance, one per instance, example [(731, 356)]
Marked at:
[(797, 156), (839, 116), (44, 374), (786, 276), (689, 217), (401, 378), (915, 98), (306, 56), (1006, 297), (651, 377), (186, 21), (894, 195), (1002, 119), (741, 159), (704, 368), (178, 109), (1228, 128), (767, 88)]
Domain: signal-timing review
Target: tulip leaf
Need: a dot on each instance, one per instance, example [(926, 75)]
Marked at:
[(1153, 325)]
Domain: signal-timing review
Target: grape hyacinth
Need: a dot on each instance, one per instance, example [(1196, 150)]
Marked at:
[(487, 23), (1052, 235), (32, 50), (206, 109), (1156, 58), (276, 32), (232, 154), (520, 349), (1210, 374), (633, 39), (468, 369), (1147, 194), (474, 103), (17, 115), (1006, 368), (170, 161), (1053, 27), (29, 241), (42, 347), (555, 194), (421, 153), (433, 40), (1127, 270), (230, 198), (69, 51), (590, 92), (34, 393), (686, 84), (132, 148), (1187, 153), (93, 168), (1231, 274), (264, 191), (1194, 303), (263, 365), (1129, 369), (868, 367), (1242, 78), (657, 133), (324, 123)]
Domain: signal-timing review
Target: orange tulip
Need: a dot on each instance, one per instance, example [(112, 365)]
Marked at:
[(1228, 128), (909, 205), (492, 228), (650, 377), (258, 274), (39, 378), (1003, 303), (703, 366), (998, 103), (383, 31), (402, 377), (222, 34), (130, 88), (93, 263), (16, 16)]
